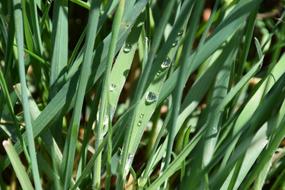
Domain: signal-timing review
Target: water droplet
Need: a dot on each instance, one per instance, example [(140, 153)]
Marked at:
[(166, 63), (127, 48), (129, 163), (146, 40), (151, 97), (174, 43), (106, 120), (112, 87), (139, 123), (141, 115), (157, 74), (112, 112), (104, 132), (105, 126), (180, 33)]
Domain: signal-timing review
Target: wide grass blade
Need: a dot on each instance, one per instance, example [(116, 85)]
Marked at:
[(59, 40)]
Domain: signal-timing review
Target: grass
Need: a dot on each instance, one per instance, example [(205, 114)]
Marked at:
[(142, 94)]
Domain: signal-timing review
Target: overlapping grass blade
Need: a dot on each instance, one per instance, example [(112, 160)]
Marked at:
[(29, 127), (18, 166), (71, 141), (177, 94), (61, 99), (104, 110), (59, 40), (50, 143)]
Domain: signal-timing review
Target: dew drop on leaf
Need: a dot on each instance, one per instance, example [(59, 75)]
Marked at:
[(129, 163), (112, 87), (174, 43), (166, 63), (151, 97), (180, 33), (127, 48)]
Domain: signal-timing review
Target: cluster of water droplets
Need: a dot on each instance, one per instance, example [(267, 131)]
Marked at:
[(164, 65), (179, 34), (140, 120)]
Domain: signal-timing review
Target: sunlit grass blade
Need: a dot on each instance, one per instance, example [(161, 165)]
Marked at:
[(19, 169), (261, 114)]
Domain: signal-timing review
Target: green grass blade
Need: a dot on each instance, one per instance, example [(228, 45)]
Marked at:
[(176, 163), (36, 26), (104, 104), (29, 128), (85, 72), (227, 28), (59, 39), (177, 95), (6, 94), (18, 166), (61, 99), (47, 137)]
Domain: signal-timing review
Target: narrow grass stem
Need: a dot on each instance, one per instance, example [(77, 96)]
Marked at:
[(29, 128)]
